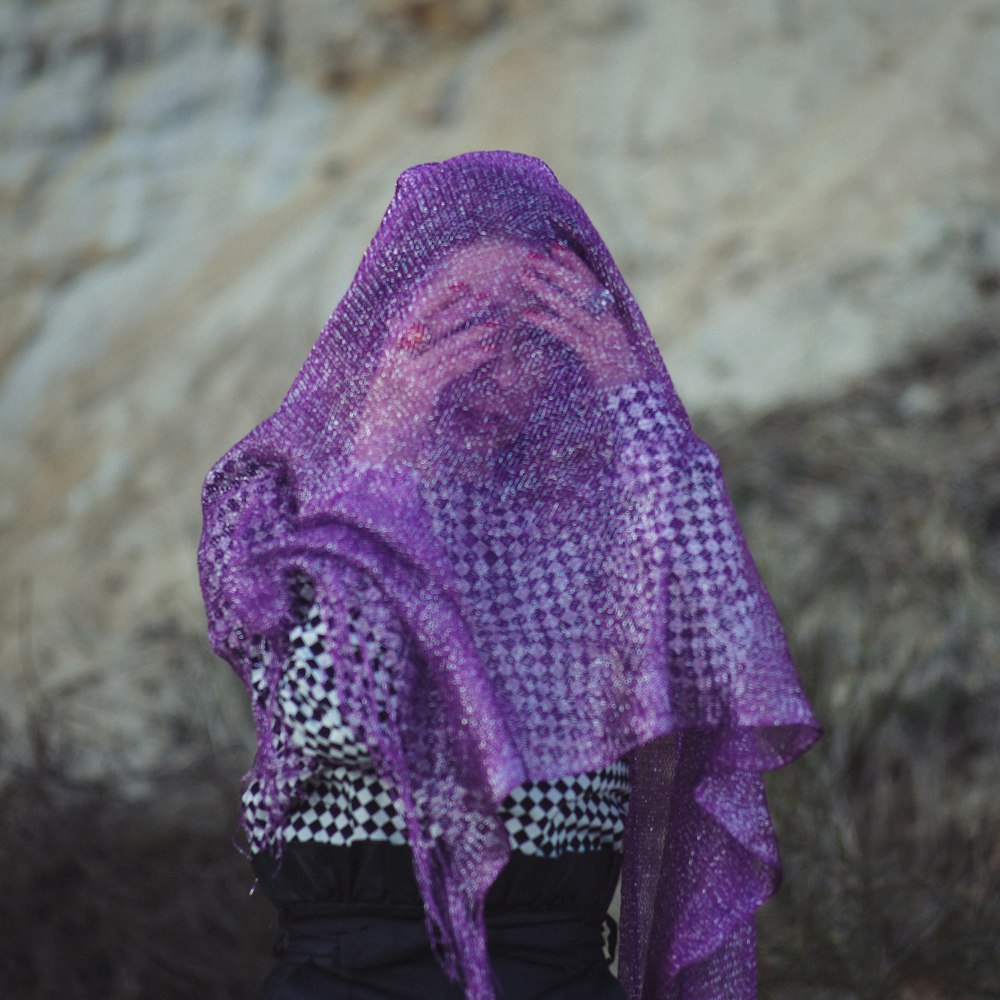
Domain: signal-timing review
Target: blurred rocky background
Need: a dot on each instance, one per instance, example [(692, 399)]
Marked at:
[(805, 199)]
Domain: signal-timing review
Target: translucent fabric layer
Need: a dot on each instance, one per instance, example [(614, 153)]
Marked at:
[(485, 428)]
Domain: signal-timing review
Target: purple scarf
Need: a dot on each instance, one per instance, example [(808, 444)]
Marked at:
[(485, 429)]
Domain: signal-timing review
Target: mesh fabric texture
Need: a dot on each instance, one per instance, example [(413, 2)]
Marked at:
[(571, 578)]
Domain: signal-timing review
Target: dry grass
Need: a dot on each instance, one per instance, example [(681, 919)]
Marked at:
[(110, 899), (876, 520)]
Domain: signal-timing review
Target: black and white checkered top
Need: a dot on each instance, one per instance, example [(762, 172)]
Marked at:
[(340, 799)]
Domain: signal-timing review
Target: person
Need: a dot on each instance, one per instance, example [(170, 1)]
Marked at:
[(503, 637)]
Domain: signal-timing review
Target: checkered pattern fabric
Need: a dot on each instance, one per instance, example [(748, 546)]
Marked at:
[(338, 798), (573, 582)]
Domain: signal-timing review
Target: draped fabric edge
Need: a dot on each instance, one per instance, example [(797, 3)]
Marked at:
[(357, 524), (718, 767), (335, 530), (710, 772), (713, 837)]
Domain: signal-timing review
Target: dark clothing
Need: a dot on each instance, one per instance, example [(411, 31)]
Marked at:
[(352, 927)]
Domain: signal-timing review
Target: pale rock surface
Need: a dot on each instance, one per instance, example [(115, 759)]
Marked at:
[(797, 192)]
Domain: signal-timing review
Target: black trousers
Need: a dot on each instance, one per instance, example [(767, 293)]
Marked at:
[(351, 926)]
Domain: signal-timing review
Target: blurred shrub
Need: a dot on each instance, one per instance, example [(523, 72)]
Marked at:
[(110, 899), (875, 518)]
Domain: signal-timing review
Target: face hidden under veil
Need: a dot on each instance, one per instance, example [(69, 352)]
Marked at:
[(493, 368), (486, 431)]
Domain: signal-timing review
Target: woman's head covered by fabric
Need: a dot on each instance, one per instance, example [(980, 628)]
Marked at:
[(484, 322), (485, 430)]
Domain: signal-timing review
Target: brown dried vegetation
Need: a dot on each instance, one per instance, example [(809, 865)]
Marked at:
[(876, 521)]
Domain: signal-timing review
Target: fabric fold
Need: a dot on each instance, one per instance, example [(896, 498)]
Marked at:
[(485, 429)]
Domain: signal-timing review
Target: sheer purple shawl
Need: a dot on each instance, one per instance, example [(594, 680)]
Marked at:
[(486, 431)]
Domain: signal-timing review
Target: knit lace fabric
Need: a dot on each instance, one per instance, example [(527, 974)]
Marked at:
[(569, 577), (338, 798)]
